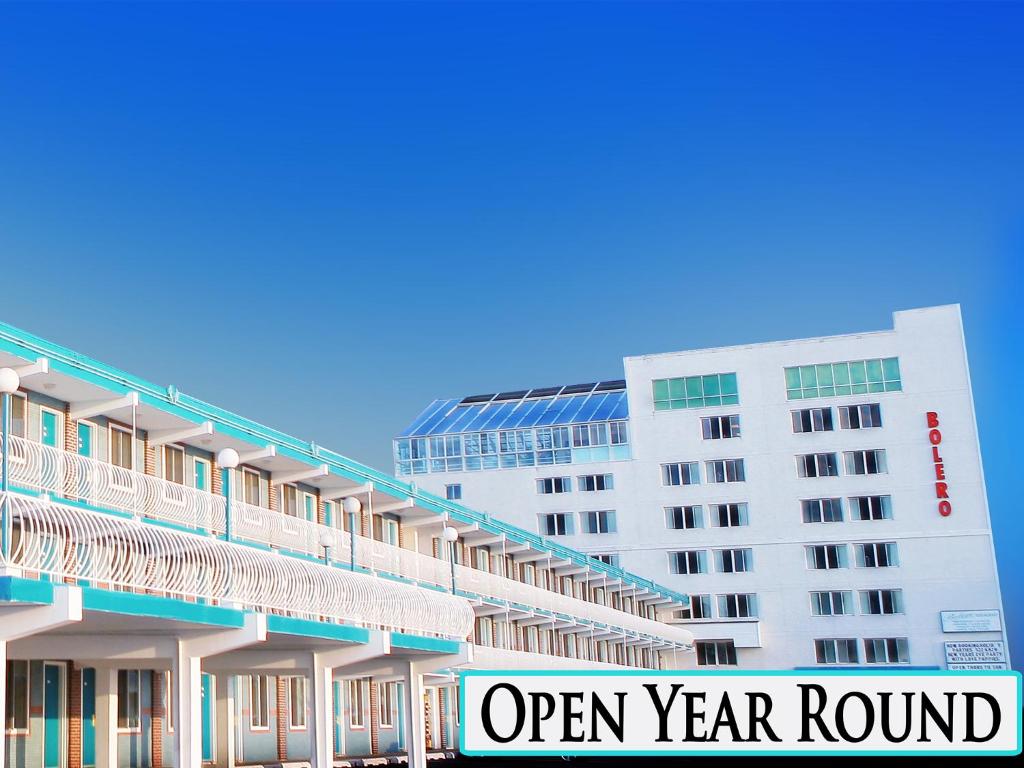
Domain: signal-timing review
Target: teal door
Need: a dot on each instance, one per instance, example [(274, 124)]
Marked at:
[(84, 439), (207, 719), (48, 428), (202, 469), (338, 713), (88, 716), (52, 716)]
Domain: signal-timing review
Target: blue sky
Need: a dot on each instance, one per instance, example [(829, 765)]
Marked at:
[(275, 207)]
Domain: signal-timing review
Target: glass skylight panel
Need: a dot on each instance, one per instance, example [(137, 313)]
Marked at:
[(574, 406), (431, 410), (553, 414), (499, 412), (586, 413), (536, 409), (466, 414), (429, 423)]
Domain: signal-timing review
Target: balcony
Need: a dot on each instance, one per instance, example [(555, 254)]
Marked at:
[(90, 488)]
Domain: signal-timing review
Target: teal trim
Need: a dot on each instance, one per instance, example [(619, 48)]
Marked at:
[(156, 606), (169, 399), (14, 589), (286, 625), (419, 643), (713, 750)]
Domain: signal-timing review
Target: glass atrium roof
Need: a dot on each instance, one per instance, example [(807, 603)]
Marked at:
[(572, 404)]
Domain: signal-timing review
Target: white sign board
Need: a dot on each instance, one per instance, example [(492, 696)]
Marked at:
[(971, 621), (975, 655)]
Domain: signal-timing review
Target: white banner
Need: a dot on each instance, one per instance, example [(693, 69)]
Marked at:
[(665, 713)]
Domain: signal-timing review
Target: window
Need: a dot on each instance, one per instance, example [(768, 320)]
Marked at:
[(608, 558), (553, 446), (129, 699), (483, 559), (715, 653), (17, 692), (725, 471), (817, 465), (618, 432), (290, 500), (681, 518), (446, 453), (386, 700), (877, 555), (734, 560), (699, 608), (297, 703), (602, 521), (838, 603), (865, 462), (871, 508), (547, 485), (19, 418), (822, 510), (856, 377), (720, 427), (826, 557), (357, 703), (729, 515), (586, 435), (168, 699), (836, 651), (866, 416), (743, 606), (251, 491), (695, 391), (689, 561), (259, 702), (886, 650), (485, 630), (453, 492), (812, 420), (684, 473), (174, 464), (556, 524), (881, 602), (594, 482), (121, 447)]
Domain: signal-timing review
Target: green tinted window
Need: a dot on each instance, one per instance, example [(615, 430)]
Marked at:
[(854, 377), (696, 391)]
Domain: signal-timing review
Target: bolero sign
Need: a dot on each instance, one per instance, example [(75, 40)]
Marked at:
[(941, 486)]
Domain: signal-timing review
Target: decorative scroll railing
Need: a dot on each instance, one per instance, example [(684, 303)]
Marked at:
[(66, 542), (500, 658), (78, 478)]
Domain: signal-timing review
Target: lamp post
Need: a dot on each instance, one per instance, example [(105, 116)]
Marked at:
[(227, 460), (450, 535), (9, 383), (351, 506), (325, 544)]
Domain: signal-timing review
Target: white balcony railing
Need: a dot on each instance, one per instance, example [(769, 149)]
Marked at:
[(80, 478), (59, 541), (500, 658)]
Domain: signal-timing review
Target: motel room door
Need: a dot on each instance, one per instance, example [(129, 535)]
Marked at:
[(53, 715), (88, 716)]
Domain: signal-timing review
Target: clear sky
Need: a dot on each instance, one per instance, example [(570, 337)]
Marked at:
[(280, 208)]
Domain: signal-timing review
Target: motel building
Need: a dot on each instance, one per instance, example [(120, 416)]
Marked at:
[(180, 585), (820, 501)]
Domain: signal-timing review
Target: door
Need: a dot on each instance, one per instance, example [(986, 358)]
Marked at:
[(339, 713), (88, 716), (202, 471), (86, 443), (207, 704), (49, 435), (53, 709)]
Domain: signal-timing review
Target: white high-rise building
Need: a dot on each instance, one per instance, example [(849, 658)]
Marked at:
[(821, 500)]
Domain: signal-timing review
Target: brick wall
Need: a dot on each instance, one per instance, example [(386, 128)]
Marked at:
[(74, 714), (374, 718), (282, 720), (157, 730)]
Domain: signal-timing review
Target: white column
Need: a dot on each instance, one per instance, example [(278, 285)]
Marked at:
[(106, 718), (225, 720), (321, 735), (415, 725), (3, 703), (188, 721)]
